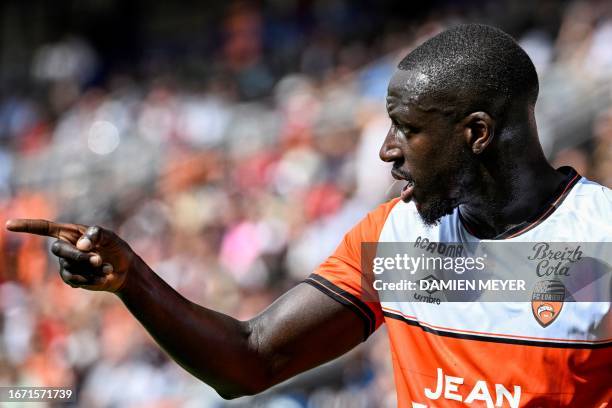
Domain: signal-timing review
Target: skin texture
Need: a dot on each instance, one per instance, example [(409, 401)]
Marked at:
[(496, 175), (424, 147), (301, 330)]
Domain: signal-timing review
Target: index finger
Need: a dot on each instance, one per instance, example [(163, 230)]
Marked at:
[(70, 232)]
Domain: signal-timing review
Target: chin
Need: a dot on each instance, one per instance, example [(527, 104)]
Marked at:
[(431, 212)]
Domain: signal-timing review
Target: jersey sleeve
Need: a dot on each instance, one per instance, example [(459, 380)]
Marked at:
[(341, 275)]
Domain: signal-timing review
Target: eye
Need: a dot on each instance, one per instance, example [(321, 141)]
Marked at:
[(412, 129), (405, 129)]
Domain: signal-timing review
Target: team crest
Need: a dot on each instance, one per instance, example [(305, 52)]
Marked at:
[(547, 301)]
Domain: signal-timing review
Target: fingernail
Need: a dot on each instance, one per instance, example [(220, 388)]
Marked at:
[(84, 244), (95, 260), (107, 269)]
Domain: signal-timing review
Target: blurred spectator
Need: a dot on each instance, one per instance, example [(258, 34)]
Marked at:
[(234, 186)]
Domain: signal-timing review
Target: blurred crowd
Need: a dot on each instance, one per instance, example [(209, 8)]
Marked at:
[(234, 187)]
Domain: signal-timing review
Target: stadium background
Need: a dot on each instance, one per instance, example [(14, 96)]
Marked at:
[(232, 145)]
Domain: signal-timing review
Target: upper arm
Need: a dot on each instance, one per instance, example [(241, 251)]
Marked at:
[(328, 314), (303, 329)]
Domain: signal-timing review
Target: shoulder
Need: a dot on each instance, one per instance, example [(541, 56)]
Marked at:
[(369, 228), (587, 213), (591, 199), (381, 213)]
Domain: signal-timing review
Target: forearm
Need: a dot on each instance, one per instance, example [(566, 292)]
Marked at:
[(212, 346), (302, 329)]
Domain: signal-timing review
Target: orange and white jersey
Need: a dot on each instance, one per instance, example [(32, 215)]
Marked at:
[(486, 354)]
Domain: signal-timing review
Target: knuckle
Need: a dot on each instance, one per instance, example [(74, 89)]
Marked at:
[(67, 268), (93, 231), (56, 247), (66, 276), (82, 256)]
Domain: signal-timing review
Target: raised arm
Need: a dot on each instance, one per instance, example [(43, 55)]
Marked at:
[(302, 329)]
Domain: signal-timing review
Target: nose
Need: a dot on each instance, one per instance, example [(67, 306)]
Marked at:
[(390, 150)]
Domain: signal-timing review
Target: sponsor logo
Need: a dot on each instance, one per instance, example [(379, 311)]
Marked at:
[(470, 393), (430, 282), (427, 282), (554, 261), (547, 301), (440, 248)]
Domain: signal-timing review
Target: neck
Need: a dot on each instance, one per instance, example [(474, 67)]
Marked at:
[(507, 196)]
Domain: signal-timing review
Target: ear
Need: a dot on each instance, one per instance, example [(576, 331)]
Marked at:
[(478, 130)]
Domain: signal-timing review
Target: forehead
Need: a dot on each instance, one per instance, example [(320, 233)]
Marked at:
[(407, 86), (405, 96), (414, 91)]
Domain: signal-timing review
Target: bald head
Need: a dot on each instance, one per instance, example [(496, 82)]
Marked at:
[(462, 123), (469, 68)]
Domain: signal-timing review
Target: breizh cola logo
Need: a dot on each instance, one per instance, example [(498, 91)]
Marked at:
[(554, 261)]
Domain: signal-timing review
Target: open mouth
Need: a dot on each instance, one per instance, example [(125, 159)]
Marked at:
[(399, 174), (407, 191), (406, 194)]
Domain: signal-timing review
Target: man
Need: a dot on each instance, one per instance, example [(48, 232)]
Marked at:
[(463, 136)]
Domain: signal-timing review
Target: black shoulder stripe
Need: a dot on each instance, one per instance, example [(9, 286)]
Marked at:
[(347, 299)]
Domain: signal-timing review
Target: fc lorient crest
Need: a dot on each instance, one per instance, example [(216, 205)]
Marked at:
[(547, 301)]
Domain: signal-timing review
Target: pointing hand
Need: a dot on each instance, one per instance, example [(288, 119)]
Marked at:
[(91, 258)]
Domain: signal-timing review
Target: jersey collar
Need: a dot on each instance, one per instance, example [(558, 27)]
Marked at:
[(571, 178)]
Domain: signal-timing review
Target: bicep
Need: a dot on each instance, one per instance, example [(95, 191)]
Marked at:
[(304, 328)]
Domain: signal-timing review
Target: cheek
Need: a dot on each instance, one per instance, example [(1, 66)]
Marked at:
[(425, 158), (436, 166), (420, 149)]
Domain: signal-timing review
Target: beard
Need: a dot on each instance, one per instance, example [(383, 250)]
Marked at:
[(434, 208), (441, 193)]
